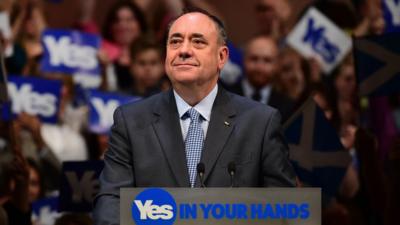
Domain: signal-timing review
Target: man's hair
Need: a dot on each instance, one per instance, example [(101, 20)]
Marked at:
[(222, 36), (143, 44)]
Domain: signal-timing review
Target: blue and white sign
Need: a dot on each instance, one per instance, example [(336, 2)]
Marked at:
[(154, 206), (101, 109), (391, 13), (79, 185), (377, 64), (317, 36), (315, 149), (45, 211), (70, 52), (34, 96), (158, 206)]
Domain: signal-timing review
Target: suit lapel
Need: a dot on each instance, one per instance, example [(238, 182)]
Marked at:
[(168, 130), (219, 129)]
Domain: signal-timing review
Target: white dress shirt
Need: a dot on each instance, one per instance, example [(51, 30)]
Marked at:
[(248, 91), (203, 107)]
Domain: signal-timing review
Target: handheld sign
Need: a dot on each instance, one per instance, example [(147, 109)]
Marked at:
[(391, 14), (101, 109), (45, 211), (34, 96), (80, 184), (70, 52), (316, 36)]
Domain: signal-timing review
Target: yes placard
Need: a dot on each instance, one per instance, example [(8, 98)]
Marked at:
[(34, 96), (316, 36), (101, 109), (70, 52)]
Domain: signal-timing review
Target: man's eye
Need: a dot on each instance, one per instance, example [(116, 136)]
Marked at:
[(174, 42), (199, 42)]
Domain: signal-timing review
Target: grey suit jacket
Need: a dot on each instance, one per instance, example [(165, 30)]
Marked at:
[(146, 149)]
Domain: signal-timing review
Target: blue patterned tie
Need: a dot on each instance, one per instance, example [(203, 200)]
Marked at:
[(193, 143)]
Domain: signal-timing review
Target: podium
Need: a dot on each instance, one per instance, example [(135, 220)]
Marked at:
[(238, 206)]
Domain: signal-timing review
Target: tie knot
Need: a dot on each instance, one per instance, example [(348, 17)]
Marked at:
[(193, 114)]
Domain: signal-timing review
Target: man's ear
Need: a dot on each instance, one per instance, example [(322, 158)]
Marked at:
[(223, 56)]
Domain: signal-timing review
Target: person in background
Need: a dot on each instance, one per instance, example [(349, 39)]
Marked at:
[(28, 23), (272, 17), (36, 187), (291, 79), (124, 24), (147, 68), (14, 175), (261, 70)]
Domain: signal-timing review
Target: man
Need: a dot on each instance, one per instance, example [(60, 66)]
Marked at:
[(147, 146), (261, 67)]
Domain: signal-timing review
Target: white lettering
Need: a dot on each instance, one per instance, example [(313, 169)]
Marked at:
[(63, 52), (105, 110), (26, 100), (394, 10), (153, 212)]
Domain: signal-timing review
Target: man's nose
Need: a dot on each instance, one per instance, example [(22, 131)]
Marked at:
[(185, 51)]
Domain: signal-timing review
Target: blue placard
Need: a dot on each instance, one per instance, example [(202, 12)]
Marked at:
[(101, 109), (34, 96), (45, 211), (377, 64), (315, 149), (391, 14), (79, 185), (70, 52)]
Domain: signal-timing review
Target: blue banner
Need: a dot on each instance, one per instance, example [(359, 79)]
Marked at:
[(34, 96), (315, 149), (70, 52), (79, 185), (101, 109), (391, 14), (377, 64)]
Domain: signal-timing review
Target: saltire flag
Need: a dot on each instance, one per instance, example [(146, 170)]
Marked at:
[(316, 152), (377, 64)]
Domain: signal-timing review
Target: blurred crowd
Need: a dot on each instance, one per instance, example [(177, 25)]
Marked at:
[(132, 62)]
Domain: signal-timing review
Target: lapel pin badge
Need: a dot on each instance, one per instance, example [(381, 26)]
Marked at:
[(227, 123)]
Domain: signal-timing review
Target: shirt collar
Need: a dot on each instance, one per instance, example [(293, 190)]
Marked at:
[(248, 91), (203, 107)]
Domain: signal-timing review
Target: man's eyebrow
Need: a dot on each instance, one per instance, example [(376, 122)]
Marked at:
[(197, 35), (176, 35)]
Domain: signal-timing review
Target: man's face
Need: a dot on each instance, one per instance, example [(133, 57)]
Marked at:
[(148, 68), (194, 54), (260, 62)]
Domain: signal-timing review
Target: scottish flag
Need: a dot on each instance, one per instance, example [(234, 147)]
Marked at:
[(101, 109), (377, 63), (315, 149)]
